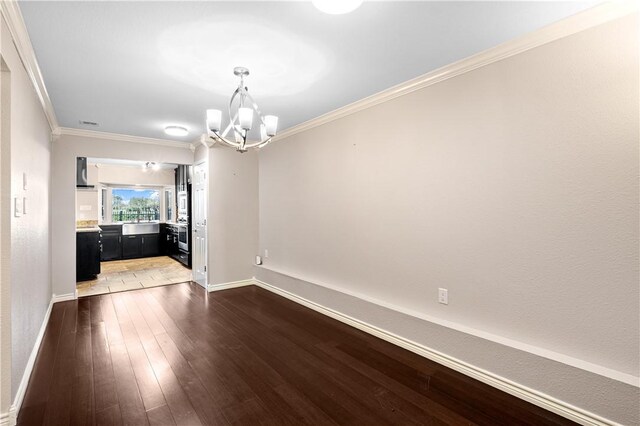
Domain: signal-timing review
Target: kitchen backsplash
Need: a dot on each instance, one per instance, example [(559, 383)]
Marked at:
[(86, 223)]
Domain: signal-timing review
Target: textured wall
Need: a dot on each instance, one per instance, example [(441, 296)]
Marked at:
[(514, 185), (30, 233), (233, 214), (5, 233)]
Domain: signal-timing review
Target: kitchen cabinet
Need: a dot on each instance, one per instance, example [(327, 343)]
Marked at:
[(87, 255), (131, 246), (111, 247), (111, 242), (146, 245), (171, 241), (183, 178), (183, 258), (150, 245)]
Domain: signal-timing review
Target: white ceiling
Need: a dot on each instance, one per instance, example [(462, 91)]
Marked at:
[(135, 67)]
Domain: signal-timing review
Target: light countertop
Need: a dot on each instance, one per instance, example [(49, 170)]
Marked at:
[(92, 229)]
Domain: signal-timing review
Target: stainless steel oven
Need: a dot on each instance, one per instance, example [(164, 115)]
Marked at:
[(183, 237)]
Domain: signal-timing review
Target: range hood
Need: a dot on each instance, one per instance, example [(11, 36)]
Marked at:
[(81, 173)]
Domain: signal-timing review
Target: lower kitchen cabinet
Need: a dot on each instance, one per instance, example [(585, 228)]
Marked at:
[(111, 246), (131, 246), (150, 245), (146, 245), (87, 255)]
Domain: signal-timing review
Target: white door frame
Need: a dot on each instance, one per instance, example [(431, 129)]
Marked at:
[(202, 227)]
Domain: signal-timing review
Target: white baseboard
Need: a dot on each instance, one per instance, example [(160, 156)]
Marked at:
[(535, 397), (233, 284), (5, 419), (22, 388), (64, 297)]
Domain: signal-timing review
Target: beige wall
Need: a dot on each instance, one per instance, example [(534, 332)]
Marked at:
[(29, 246), (5, 232), (514, 186), (126, 175), (65, 150), (232, 230), (87, 204)]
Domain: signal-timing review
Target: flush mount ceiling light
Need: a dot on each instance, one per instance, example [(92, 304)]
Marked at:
[(337, 7), (176, 131), (241, 110)]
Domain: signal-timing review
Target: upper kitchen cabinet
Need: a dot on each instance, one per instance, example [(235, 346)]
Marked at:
[(183, 178)]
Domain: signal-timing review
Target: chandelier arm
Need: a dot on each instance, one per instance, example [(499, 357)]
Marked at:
[(232, 124), (258, 144), (254, 105), (217, 137)]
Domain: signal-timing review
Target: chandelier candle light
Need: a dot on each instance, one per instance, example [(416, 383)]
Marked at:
[(241, 119)]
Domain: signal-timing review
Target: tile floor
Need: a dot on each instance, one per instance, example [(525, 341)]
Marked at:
[(120, 275)]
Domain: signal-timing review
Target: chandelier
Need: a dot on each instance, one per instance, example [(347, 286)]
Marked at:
[(241, 110)]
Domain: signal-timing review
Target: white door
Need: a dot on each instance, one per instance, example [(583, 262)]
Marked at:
[(199, 227)]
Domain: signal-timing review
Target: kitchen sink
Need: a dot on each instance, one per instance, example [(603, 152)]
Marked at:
[(140, 228)]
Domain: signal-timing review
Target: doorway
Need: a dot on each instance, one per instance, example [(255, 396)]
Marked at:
[(199, 237)]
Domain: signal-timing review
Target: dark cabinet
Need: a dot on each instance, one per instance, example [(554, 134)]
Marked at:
[(146, 245), (171, 241), (87, 255), (183, 178), (119, 246), (111, 242), (111, 246), (131, 246), (150, 245), (183, 258)]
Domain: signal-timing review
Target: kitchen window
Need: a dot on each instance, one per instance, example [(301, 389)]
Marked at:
[(135, 204), (170, 205)]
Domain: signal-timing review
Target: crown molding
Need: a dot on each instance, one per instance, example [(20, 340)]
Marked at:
[(68, 131), (18, 30), (589, 18), (205, 141)]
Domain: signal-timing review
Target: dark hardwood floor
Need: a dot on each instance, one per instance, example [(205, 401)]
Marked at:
[(178, 355)]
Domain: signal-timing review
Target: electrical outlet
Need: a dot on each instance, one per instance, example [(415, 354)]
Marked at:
[(266, 253), (443, 296)]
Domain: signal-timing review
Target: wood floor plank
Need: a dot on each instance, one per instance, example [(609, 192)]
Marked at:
[(105, 394), (148, 386), (131, 406), (60, 392), (82, 412), (304, 369), (160, 416), (191, 383), (109, 416), (38, 389), (110, 319), (178, 402), (433, 410), (179, 355)]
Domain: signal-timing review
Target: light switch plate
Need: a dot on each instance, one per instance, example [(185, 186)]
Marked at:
[(17, 206)]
